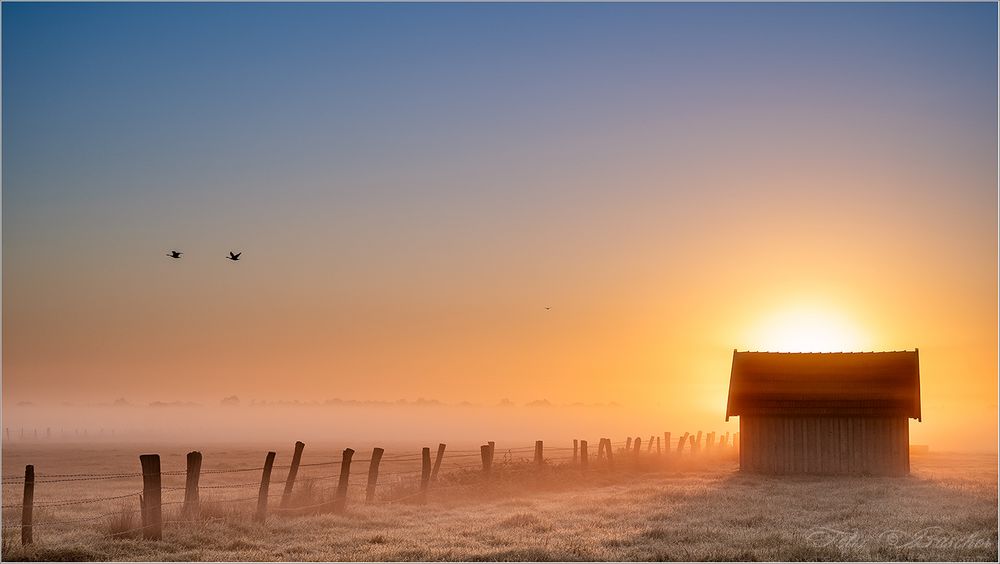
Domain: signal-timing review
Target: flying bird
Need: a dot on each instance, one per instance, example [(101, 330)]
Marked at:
[(174, 254), (235, 256), (547, 308)]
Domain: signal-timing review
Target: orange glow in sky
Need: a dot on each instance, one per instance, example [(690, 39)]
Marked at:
[(674, 181)]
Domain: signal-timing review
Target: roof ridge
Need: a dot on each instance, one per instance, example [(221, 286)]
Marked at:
[(826, 352)]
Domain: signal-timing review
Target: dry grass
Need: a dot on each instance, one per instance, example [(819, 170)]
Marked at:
[(123, 524), (947, 510)]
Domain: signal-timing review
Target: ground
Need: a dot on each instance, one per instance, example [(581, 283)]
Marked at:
[(699, 509)]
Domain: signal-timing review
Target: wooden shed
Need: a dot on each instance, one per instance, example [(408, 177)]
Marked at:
[(825, 413)]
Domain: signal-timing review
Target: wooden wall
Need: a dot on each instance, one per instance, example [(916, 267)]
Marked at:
[(825, 445)]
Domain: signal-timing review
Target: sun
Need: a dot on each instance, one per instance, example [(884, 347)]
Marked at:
[(806, 329)]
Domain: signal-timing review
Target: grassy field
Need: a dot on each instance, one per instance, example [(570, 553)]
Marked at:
[(702, 509)]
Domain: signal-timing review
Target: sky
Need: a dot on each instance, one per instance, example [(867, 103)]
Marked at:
[(411, 186)]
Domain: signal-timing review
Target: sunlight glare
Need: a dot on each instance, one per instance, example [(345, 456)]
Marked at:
[(807, 329)]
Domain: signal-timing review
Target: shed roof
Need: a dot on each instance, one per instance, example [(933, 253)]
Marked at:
[(866, 383)]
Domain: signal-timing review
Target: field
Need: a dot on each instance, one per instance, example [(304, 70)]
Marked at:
[(698, 508)]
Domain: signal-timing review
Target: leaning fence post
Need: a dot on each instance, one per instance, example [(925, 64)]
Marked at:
[(649, 445), (666, 442), (153, 522), (576, 450), (538, 453), (583, 455), (190, 507), (373, 474), (425, 472), (680, 445), (340, 500), (611, 458), (697, 443), (27, 504), (265, 484), (484, 453), (293, 471), (437, 461)]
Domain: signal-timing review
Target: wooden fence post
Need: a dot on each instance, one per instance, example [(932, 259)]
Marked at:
[(27, 504), (484, 453), (340, 499), (425, 473), (649, 445), (437, 461), (538, 454), (638, 445), (600, 450), (493, 451), (583, 455), (152, 528), (373, 474), (265, 484), (576, 451), (680, 445), (659, 451), (191, 501), (697, 443), (628, 443), (611, 457), (293, 471)]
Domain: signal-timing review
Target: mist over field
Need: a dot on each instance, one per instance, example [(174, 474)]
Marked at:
[(366, 422), (483, 281)]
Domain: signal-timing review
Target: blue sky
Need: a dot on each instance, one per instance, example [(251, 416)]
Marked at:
[(409, 181)]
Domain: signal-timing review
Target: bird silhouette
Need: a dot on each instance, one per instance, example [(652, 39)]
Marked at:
[(547, 308), (174, 254), (235, 256)]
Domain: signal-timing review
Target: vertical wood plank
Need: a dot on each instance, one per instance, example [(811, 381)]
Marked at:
[(425, 472), (27, 504), (293, 471), (439, 458), (265, 485), (373, 474), (152, 496), (191, 501), (340, 498)]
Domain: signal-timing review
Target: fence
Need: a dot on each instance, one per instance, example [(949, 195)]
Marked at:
[(393, 478)]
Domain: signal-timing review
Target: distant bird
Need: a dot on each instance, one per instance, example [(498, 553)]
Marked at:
[(547, 308), (174, 254), (234, 256)]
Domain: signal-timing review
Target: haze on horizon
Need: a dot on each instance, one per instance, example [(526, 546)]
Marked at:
[(411, 186)]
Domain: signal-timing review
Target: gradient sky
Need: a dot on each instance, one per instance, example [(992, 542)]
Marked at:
[(411, 185)]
